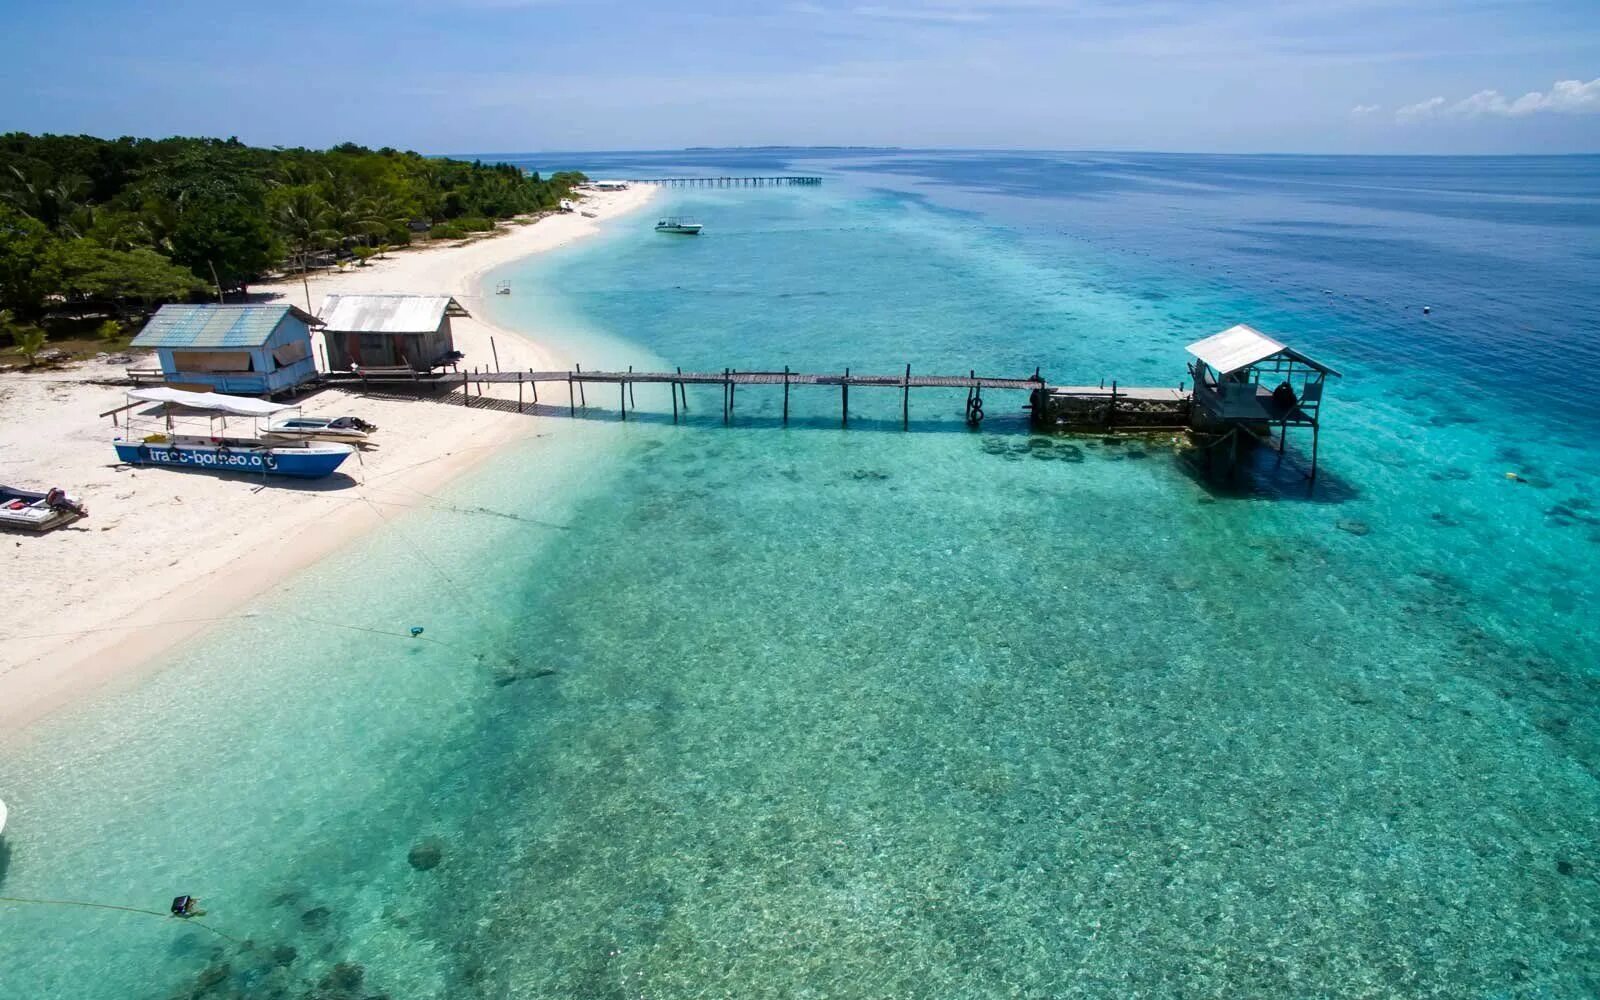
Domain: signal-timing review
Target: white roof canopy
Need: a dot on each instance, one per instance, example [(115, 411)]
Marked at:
[(214, 402), (1242, 346)]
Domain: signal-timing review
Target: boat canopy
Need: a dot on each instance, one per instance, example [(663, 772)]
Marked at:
[(214, 402)]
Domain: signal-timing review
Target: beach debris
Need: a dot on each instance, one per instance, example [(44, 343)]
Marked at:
[(426, 854), (1357, 528)]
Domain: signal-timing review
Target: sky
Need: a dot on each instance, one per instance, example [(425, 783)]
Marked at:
[(442, 76)]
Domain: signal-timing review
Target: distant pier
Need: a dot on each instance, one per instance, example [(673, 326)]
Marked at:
[(785, 180)]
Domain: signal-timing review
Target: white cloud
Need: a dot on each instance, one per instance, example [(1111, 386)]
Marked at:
[(1569, 97), (1362, 110), (1421, 109)]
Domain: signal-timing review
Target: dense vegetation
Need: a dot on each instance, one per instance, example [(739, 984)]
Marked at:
[(116, 227)]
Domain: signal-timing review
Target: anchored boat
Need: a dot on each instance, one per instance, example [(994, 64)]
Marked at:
[(217, 447), (683, 227)]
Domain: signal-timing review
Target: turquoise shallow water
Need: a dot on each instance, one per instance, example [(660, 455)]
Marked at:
[(752, 712)]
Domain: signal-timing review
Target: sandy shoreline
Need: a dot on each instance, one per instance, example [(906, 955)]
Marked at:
[(165, 553)]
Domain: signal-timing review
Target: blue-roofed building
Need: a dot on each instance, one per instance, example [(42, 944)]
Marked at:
[(250, 350)]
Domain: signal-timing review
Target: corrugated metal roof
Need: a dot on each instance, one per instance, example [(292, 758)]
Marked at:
[(386, 313), (214, 325), (1241, 346), (1235, 348)]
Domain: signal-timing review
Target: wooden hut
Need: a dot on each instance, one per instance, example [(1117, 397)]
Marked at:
[(1247, 382), (250, 350), (389, 331)]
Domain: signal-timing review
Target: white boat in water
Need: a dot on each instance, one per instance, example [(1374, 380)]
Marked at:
[(349, 430), (683, 227), (31, 511)]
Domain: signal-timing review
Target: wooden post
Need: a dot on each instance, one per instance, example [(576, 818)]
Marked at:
[(631, 401), (683, 389), (519, 395), (466, 392), (730, 398), (1111, 407), (495, 353), (533, 384), (724, 395), (572, 409), (844, 400), (622, 393), (1316, 429), (674, 386), (785, 395), (905, 403), (581, 398)]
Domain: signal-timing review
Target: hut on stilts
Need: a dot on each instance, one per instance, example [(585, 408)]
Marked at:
[(1245, 385)]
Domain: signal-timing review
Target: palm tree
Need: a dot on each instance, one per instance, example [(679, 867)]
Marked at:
[(305, 218), (51, 204)]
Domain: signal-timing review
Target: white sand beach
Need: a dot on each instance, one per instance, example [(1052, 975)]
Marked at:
[(163, 552)]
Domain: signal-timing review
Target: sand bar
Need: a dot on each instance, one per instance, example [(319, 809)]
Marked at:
[(165, 553)]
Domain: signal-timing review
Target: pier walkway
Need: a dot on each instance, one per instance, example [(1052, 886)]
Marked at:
[(786, 180), (1101, 406)]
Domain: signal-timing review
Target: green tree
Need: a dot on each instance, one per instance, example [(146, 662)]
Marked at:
[(224, 239), (93, 273), (27, 273), (30, 342)]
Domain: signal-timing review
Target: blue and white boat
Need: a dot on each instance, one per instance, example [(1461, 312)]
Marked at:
[(220, 448)]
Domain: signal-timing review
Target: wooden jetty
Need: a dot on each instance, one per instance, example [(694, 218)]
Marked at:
[(1071, 406), (1233, 404), (786, 180)]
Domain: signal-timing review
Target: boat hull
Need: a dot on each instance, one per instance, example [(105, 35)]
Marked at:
[(680, 230), (313, 462)]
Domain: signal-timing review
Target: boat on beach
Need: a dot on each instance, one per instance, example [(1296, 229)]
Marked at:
[(31, 511), (217, 447), (681, 226), (346, 430)]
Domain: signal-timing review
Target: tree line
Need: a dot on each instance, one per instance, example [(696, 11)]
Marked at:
[(121, 225)]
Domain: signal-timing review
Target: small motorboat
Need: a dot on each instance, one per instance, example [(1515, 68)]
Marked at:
[(349, 430), (683, 227), (32, 511), (503, 288)]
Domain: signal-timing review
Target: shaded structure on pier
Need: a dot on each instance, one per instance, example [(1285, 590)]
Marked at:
[(1232, 373)]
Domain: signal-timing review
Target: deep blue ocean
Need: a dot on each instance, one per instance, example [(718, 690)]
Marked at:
[(752, 711)]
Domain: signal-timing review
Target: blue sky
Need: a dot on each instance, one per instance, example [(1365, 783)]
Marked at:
[(1478, 76)]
